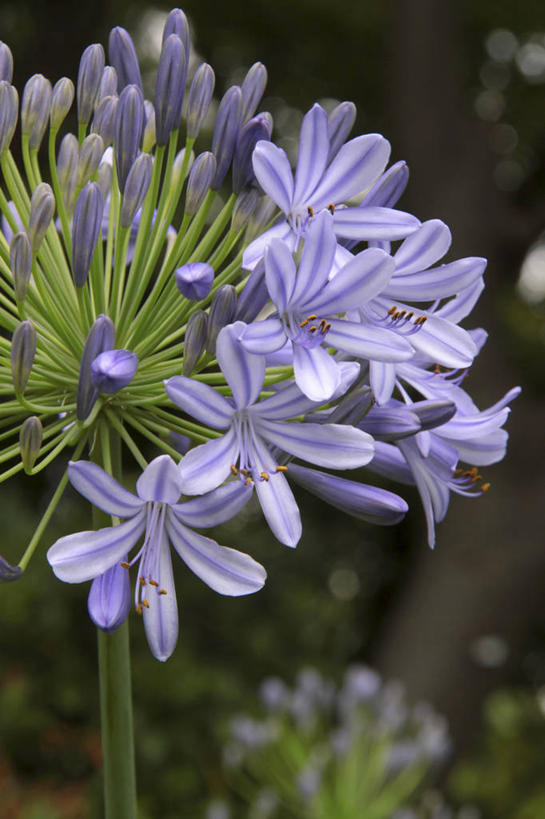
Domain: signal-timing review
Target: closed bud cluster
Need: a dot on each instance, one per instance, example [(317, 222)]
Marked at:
[(169, 89), (90, 154), (42, 208), (23, 350), (61, 102), (222, 313), (129, 126), (199, 182), (226, 132), (136, 187), (194, 281), (198, 101), (123, 58), (101, 337), (195, 340), (35, 108), (30, 441), (20, 259), (9, 106), (89, 77), (113, 369), (85, 230)]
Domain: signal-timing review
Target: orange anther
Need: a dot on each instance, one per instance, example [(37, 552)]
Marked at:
[(125, 565)]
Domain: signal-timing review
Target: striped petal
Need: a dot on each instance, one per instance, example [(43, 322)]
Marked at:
[(102, 490), (273, 172), (208, 465), (374, 224), (200, 401), (356, 166), (243, 371), (215, 507), (313, 153), (161, 614)]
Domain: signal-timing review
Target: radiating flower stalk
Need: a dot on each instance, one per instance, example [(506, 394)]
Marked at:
[(237, 319)]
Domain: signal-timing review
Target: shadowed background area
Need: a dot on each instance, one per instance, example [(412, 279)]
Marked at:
[(459, 90)]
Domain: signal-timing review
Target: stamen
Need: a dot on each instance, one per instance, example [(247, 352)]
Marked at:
[(153, 583), (312, 329), (234, 470), (145, 603), (310, 211), (331, 208), (162, 591), (281, 469), (139, 609), (485, 487), (248, 481), (245, 472), (308, 319), (125, 565), (264, 476), (392, 310), (437, 369), (142, 581)]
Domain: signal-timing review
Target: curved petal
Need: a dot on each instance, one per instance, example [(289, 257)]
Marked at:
[(445, 343), (263, 337), (461, 306), (374, 223), (423, 248), (109, 600), (215, 507), (316, 260), (366, 341), (389, 188), (161, 613), (382, 378), (225, 570), (275, 497), (85, 555), (256, 249), (273, 172), (333, 445), (102, 490), (316, 372), (360, 280), (279, 273), (288, 402), (208, 465), (201, 401), (356, 166), (243, 371), (312, 155), (437, 282), (160, 481)]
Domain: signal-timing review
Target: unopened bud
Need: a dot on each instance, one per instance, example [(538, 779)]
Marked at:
[(181, 443), (104, 119), (252, 88), (194, 280), (9, 108), (352, 408), (260, 218), (105, 175), (225, 132), (176, 23), (149, 137), (129, 125), (254, 295), (6, 63), (8, 573), (169, 89), (108, 83), (123, 58), (67, 165), (101, 337), (339, 124), (200, 179), (178, 164), (136, 187), (23, 350), (389, 188), (256, 129), (90, 71), (90, 154), (85, 230), (198, 101), (222, 313), (195, 340), (42, 208), (30, 441), (433, 413), (109, 600), (20, 259), (113, 369), (61, 102), (245, 205), (35, 108)]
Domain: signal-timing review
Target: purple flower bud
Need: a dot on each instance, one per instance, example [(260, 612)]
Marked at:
[(90, 71), (104, 119), (433, 413), (389, 188), (200, 179), (6, 63), (198, 102), (222, 312), (105, 174), (108, 83), (100, 337), (225, 132), (176, 23), (9, 109), (109, 598), (129, 126), (67, 164), (245, 205), (149, 136), (23, 350), (181, 443), (254, 295), (260, 218), (178, 164), (20, 260), (136, 187), (194, 280), (195, 340), (113, 369), (252, 88), (339, 124), (61, 102), (170, 87), (35, 108), (353, 407), (255, 129), (85, 231), (42, 208), (8, 573), (123, 58), (30, 441), (90, 154)]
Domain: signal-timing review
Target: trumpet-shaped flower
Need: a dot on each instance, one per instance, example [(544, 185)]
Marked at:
[(154, 511)]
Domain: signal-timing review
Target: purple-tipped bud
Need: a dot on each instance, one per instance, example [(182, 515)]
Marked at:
[(176, 23), (389, 188), (222, 313), (177, 166), (101, 337), (90, 71), (67, 165), (42, 208), (109, 600), (260, 218), (255, 129), (90, 154), (9, 109), (195, 340), (35, 108), (198, 101), (246, 203), (61, 102), (339, 124), (85, 230), (169, 89), (254, 295), (253, 86), (433, 414), (136, 187), (123, 58), (9, 572), (104, 119), (225, 132), (23, 350), (352, 408), (149, 136), (105, 175), (194, 280), (108, 83), (113, 369), (390, 423), (20, 260), (129, 126), (30, 441), (199, 182), (181, 443), (6, 63)]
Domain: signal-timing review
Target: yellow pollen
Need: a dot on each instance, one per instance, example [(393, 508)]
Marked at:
[(331, 208), (281, 469), (485, 487), (145, 603), (245, 472), (234, 470), (248, 481), (312, 329), (310, 211), (162, 591), (264, 476), (153, 583), (392, 310), (125, 565), (139, 609), (142, 581), (437, 369)]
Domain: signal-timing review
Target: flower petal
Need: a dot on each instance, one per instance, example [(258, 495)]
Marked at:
[(423, 248), (445, 343), (214, 507), (161, 614), (160, 481), (109, 600), (85, 555), (225, 570), (275, 496), (374, 223), (263, 337), (279, 273), (288, 402), (313, 153), (256, 249), (316, 260), (199, 400), (382, 379), (316, 372), (365, 276), (243, 371), (208, 465), (366, 341), (437, 282), (273, 172), (356, 166), (102, 490)]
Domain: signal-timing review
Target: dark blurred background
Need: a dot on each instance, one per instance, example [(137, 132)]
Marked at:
[(459, 89)]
